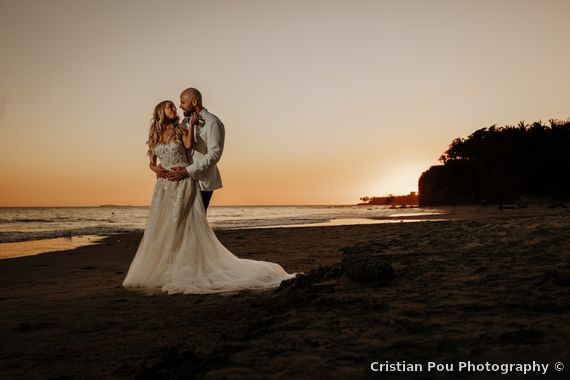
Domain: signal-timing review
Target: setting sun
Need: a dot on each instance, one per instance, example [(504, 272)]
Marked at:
[(399, 179)]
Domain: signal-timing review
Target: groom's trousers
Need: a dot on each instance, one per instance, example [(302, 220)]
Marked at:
[(206, 196)]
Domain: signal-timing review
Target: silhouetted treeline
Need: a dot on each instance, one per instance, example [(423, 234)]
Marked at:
[(501, 165), (399, 200)]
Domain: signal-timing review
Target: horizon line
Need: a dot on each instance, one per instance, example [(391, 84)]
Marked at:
[(236, 205)]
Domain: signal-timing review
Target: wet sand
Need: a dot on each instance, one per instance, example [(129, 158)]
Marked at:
[(487, 285)]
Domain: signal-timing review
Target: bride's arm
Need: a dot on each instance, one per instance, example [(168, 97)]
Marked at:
[(187, 134), (157, 168)]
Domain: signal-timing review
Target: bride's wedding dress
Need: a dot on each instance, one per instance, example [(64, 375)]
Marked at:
[(179, 252)]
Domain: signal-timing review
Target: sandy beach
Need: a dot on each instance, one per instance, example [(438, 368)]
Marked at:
[(485, 285)]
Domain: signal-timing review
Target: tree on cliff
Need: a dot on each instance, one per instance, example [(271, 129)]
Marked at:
[(501, 164)]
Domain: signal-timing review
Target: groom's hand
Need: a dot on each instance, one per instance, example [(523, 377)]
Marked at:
[(159, 170), (177, 174)]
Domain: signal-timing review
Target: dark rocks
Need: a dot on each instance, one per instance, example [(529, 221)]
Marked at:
[(367, 268), (320, 286), (372, 248), (306, 289), (321, 274)]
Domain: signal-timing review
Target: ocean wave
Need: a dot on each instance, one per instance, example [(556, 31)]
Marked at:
[(55, 220), (12, 236), (265, 222), (33, 220)]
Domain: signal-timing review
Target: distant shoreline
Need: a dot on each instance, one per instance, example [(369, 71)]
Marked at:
[(131, 206)]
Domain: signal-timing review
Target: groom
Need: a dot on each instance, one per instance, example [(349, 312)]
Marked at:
[(207, 146)]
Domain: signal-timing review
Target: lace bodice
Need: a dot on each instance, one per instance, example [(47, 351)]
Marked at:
[(171, 154)]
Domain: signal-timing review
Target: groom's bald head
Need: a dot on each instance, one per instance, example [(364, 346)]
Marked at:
[(192, 93)]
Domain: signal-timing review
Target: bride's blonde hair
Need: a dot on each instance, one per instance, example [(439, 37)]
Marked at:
[(158, 124)]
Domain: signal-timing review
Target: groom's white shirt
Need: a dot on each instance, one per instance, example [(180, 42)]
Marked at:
[(206, 151)]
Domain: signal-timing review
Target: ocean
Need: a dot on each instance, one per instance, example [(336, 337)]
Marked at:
[(27, 224)]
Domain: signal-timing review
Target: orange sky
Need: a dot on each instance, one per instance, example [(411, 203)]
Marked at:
[(323, 101)]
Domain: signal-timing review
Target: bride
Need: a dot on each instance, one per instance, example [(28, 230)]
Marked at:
[(179, 252)]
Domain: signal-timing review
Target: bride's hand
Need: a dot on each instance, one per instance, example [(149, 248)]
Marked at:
[(159, 170), (187, 134), (184, 130), (194, 119)]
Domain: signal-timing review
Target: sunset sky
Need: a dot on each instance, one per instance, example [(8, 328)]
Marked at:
[(323, 101)]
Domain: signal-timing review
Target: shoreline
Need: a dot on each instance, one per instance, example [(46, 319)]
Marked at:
[(11, 250), (74, 238), (70, 239), (65, 314), (35, 224)]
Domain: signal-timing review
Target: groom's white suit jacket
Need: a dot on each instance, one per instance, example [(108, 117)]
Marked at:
[(206, 151)]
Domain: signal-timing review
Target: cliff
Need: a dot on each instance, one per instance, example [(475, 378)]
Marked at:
[(501, 165)]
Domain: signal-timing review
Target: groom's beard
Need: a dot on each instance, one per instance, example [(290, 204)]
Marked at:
[(188, 113)]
